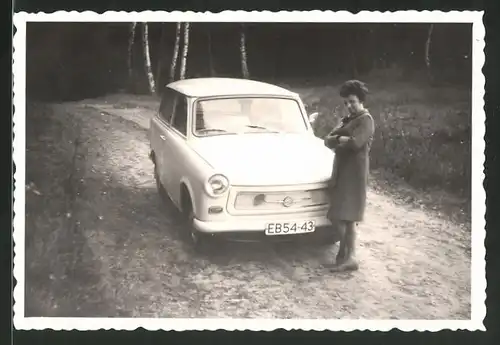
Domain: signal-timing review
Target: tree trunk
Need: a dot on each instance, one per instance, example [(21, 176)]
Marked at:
[(160, 59), (147, 59), (176, 52), (427, 51), (130, 46), (210, 57), (184, 51), (243, 52)]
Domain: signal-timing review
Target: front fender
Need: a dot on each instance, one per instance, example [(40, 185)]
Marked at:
[(185, 182), (196, 172), (201, 201)]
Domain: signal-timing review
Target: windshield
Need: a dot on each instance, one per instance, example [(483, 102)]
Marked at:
[(247, 115)]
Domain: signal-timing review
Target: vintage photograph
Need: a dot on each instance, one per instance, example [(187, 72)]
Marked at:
[(195, 171)]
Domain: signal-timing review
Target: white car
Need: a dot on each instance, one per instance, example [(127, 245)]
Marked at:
[(239, 158)]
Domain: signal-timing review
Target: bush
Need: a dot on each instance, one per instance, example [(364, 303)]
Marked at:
[(423, 134)]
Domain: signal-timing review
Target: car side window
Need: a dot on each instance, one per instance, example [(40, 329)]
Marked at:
[(167, 104), (180, 114)]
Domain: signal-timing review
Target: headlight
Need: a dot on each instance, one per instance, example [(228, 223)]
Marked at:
[(217, 185)]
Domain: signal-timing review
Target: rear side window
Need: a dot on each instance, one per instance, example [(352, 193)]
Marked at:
[(167, 104), (180, 114)]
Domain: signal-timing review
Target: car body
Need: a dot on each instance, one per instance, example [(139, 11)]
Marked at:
[(239, 157)]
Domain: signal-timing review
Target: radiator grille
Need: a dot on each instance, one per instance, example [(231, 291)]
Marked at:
[(280, 200)]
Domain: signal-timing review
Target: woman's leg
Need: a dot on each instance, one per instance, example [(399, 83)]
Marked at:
[(351, 240), (341, 227), (348, 240)]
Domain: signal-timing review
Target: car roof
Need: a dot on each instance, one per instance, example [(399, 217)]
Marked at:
[(205, 87)]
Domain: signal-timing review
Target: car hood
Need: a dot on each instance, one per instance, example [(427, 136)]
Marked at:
[(268, 158)]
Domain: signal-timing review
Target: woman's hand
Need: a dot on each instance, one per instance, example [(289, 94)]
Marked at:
[(342, 142), (362, 133), (343, 139), (330, 141)]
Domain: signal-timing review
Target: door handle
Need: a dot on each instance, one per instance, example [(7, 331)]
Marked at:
[(162, 137)]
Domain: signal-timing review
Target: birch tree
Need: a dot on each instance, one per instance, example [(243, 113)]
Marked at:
[(131, 40), (176, 52), (184, 51), (243, 52), (147, 58), (427, 50)]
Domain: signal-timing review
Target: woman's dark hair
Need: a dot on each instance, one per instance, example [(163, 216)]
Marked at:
[(354, 87)]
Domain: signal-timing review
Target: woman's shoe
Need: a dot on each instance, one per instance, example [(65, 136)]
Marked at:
[(346, 266)]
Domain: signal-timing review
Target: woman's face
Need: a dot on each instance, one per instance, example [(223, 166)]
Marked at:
[(353, 104)]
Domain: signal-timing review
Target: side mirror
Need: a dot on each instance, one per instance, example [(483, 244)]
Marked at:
[(313, 117)]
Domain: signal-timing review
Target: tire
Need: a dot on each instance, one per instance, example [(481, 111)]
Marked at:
[(200, 242), (159, 186)]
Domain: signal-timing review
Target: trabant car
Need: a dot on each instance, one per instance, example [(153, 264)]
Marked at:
[(239, 157)]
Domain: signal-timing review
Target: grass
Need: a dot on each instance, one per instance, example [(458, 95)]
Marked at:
[(423, 133), (59, 273), (50, 150)]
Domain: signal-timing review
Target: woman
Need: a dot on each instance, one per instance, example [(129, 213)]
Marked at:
[(351, 141)]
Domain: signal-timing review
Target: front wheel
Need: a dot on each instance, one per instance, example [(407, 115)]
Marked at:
[(200, 242), (159, 185)]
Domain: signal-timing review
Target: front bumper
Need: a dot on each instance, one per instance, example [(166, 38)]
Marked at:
[(256, 223)]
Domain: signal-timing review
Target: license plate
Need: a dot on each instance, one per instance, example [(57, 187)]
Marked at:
[(290, 228)]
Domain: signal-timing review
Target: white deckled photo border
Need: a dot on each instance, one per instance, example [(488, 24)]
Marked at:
[(478, 276)]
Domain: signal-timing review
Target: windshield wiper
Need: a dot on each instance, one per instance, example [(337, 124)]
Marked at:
[(260, 127), (211, 130), (216, 130)]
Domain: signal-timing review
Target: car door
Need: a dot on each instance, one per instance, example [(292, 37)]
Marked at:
[(177, 141), (160, 129)]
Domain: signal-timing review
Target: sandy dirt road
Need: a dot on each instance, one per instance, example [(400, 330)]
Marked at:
[(413, 264)]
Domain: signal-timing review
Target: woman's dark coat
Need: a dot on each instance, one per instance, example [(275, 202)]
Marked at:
[(349, 180)]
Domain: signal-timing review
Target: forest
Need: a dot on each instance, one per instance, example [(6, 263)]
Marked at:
[(104, 244), (80, 60)]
